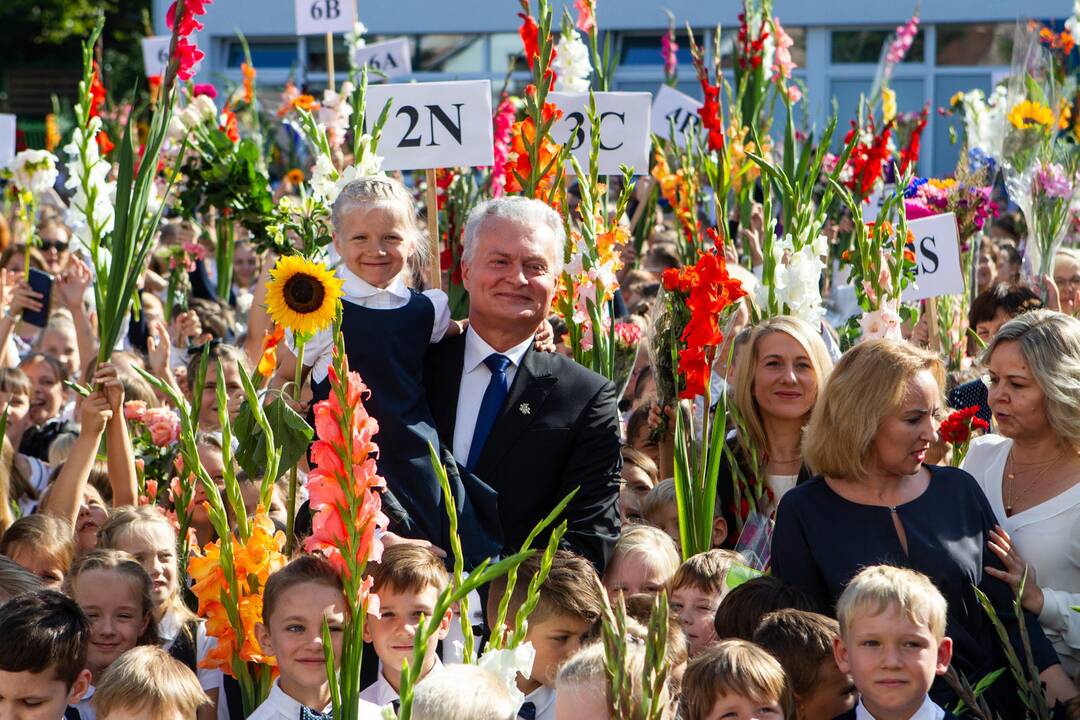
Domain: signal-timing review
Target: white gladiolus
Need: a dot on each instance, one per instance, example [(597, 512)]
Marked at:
[(507, 663), (334, 113), (1073, 23), (572, 66), (34, 170), (88, 176), (324, 177)]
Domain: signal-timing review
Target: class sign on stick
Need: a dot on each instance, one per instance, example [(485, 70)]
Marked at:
[(155, 54), (434, 125), (7, 140), (674, 111), (321, 17), (624, 129), (937, 258), (391, 58)]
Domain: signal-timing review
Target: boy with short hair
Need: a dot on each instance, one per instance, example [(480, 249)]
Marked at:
[(696, 591), (735, 678), (43, 663), (803, 643), (147, 682), (408, 580), (892, 641), (570, 604)]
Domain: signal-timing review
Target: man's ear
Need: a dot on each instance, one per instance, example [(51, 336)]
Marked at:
[(944, 655), (79, 687), (840, 652), (719, 531), (465, 272)]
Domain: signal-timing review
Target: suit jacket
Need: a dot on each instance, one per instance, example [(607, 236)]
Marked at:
[(850, 715), (558, 430)]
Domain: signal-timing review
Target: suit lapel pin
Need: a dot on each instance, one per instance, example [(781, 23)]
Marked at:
[(524, 408)]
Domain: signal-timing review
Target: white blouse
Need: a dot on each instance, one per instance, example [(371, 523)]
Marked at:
[(1047, 536)]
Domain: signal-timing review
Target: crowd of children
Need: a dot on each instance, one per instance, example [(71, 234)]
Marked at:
[(95, 621)]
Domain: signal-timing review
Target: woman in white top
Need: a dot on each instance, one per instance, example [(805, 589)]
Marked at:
[(1031, 471)]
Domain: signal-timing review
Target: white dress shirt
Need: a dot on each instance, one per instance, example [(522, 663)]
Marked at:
[(85, 706), (355, 290), (543, 698), (475, 377), (929, 710), (1047, 536), (281, 706), (382, 693)]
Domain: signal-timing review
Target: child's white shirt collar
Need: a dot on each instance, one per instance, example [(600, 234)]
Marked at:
[(382, 693), (543, 698), (929, 710), (354, 287)]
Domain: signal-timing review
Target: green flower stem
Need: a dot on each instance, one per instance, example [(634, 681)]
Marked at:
[(290, 525)]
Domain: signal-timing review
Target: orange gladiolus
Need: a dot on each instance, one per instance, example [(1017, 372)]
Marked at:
[(268, 361), (253, 561), (305, 102), (249, 82), (524, 135)]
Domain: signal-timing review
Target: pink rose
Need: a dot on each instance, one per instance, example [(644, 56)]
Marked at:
[(135, 410), (164, 426)]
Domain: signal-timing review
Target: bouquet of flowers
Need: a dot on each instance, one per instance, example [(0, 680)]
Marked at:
[(958, 429), (708, 294), (154, 434)]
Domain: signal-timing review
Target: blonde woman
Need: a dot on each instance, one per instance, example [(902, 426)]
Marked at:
[(875, 502), (1030, 472)]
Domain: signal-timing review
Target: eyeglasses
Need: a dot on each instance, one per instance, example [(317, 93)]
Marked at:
[(56, 245), (1073, 282)]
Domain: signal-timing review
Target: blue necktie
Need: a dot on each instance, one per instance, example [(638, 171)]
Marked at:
[(527, 711), (489, 406), (307, 713)]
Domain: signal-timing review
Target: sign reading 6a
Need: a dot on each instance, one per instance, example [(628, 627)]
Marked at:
[(317, 17)]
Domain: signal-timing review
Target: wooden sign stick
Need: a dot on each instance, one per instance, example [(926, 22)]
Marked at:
[(330, 61), (932, 323), (435, 261)]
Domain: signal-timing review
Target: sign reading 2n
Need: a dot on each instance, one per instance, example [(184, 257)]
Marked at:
[(434, 125)]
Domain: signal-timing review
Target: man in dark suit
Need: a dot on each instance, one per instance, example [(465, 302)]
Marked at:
[(530, 425)]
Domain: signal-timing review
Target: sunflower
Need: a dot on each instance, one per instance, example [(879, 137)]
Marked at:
[(1029, 114), (302, 295)]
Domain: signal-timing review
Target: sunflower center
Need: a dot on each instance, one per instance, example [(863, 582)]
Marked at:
[(303, 293)]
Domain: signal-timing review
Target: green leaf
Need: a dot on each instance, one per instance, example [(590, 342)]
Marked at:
[(291, 433)]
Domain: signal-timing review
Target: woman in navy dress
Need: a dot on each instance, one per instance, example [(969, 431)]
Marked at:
[(875, 502)]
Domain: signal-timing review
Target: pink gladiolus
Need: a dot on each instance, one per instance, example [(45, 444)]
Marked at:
[(163, 424), (134, 410), (901, 44), (503, 134), (794, 93), (782, 62), (670, 50), (586, 19), (205, 89)]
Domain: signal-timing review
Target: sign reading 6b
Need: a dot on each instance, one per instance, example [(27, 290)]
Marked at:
[(317, 17)]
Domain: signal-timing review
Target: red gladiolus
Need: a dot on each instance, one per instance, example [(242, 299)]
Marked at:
[(909, 155), (97, 92), (231, 127), (751, 51), (708, 291), (957, 428), (867, 161), (188, 56), (188, 22), (530, 37), (586, 19), (105, 143), (712, 118)]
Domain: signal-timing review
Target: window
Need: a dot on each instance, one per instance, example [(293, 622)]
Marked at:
[(975, 44), (264, 54), (316, 54), (507, 52), (646, 49), (866, 46), (449, 53)]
